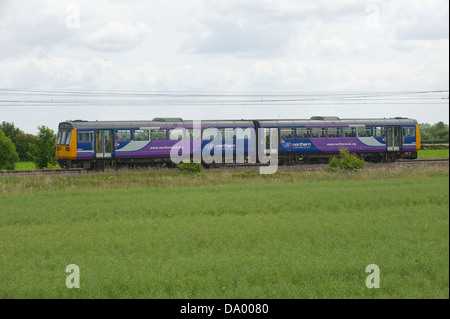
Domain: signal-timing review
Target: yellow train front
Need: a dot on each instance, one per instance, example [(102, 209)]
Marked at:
[(66, 145)]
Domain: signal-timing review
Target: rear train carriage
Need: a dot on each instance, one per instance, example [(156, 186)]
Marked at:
[(321, 137)]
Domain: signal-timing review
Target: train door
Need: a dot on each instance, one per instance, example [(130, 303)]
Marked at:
[(394, 138), (104, 143), (271, 140)]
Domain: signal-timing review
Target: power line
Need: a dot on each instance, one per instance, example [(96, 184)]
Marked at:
[(65, 98)]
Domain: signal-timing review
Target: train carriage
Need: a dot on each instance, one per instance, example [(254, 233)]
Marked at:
[(321, 137), (90, 144)]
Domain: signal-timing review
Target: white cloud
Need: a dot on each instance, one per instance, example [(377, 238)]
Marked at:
[(235, 45), (117, 36)]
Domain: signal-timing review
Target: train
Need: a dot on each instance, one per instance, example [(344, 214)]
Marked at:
[(98, 144)]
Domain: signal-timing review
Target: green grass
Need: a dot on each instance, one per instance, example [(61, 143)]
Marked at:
[(431, 154), (25, 165), (226, 236)]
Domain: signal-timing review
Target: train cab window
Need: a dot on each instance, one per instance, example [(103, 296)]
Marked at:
[(287, 133), (364, 131), (123, 135), (60, 137), (141, 135), (303, 132), (349, 131), (409, 131), (158, 135), (69, 135), (64, 137), (379, 131), (318, 132), (86, 136), (176, 134), (334, 132)]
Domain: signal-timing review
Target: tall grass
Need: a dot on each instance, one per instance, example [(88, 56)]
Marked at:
[(162, 235), (164, 178)]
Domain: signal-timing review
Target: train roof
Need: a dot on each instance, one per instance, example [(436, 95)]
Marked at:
[(318, 120), (173, 122), (157, 122)]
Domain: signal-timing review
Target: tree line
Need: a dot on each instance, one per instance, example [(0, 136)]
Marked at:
[(434, 133), (16, 145)]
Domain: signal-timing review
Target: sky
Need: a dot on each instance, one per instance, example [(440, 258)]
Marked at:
[(119, 56)]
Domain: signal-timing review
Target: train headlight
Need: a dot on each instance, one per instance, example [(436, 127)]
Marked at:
[(67, 149)]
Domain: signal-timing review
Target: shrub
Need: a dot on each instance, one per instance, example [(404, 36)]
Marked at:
[(43, 151), (345, 161), (8, 154), (190, 167)]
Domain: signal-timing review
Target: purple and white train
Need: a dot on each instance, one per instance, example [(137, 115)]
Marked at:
[(91, 144)]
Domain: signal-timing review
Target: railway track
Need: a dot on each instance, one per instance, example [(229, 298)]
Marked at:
[(430, 160), (232, 167), (43, 171)]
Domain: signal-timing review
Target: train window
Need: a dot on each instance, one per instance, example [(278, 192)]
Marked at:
[(303, 132), (141, 135), (123, 135), (364, 131), (318, 132), (243, 133), (210, 134), (62, 137), (68, 136), (58, 141), (349, 132), (176, 134), (334, 132), (194, 134), (409, 131), (227, 133), (158, 135), (287, 133), (379, 131), (86, 136)]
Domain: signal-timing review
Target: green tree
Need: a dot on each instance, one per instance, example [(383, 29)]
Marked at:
[(424, 129), (439, 131), (10, 130), (8, 154), (20, 139), (43, 152)]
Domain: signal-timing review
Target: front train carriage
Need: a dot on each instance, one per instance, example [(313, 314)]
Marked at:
[(97, 144), (319, 138)]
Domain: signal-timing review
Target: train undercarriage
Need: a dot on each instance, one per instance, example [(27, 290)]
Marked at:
[(297, 159)]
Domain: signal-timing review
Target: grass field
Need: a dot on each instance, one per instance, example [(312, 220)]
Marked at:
[(165, 235), (430, 154)]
